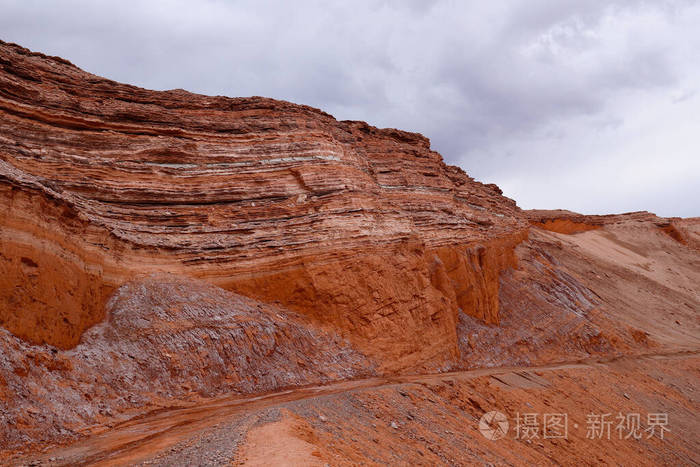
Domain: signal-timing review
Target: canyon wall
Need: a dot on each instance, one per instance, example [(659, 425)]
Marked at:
[(364, 230)]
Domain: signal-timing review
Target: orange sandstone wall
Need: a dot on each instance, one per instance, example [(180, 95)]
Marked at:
[(365, 230), (48, 292), (398, 303), (565, 226)]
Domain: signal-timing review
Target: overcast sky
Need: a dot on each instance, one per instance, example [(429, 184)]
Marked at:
[(586, 105)]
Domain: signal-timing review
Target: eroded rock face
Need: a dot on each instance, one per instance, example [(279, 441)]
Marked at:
[(625, 287), (164, 339), (684, 231), (365, 230)]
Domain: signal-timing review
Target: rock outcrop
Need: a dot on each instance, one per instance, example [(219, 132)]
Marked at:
[(365, 230), (165, 339), (685, 231)]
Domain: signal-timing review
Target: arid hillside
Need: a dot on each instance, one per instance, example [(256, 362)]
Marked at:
[(361, 229), (190, 279)]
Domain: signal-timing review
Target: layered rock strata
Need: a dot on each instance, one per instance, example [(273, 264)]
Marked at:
[(685, 231), (365, 230)]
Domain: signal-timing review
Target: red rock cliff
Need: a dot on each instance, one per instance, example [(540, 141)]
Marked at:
[(365, 230)]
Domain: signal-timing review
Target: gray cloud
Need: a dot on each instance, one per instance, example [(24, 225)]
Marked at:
[(590, 106)]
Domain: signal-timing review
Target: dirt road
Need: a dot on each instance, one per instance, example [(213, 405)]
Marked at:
[(143, 437)]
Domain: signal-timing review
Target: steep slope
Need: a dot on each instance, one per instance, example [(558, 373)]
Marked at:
[(619, 285), (165, 340), (362, 229)]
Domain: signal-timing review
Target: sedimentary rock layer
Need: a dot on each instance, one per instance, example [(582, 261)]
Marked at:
[(365, 230), (685, 231)]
